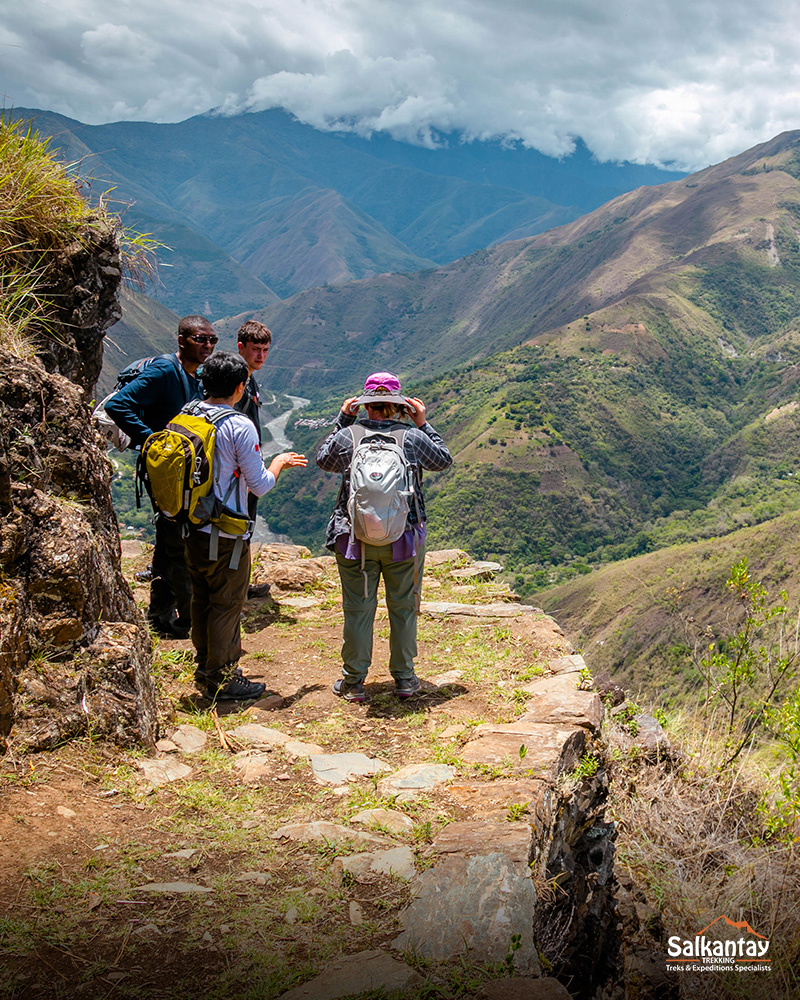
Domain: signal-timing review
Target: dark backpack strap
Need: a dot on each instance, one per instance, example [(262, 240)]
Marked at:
[(183, 376)]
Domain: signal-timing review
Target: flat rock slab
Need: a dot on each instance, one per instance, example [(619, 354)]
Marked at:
[(472, 904), (333, 832), (567, 664), (397, 862), (475, 837), (299, 603), (173, 887), (494, 799), (389, 819), (451, 677), (355, 974), (190, 739), (473, 572), (517, 988), (443, 557), (576, 708), (162, 772), (252, 766), (254, 734), (416, 778), (549, 750), (497, 610), (257, 878), (339, 768), (297, 748)]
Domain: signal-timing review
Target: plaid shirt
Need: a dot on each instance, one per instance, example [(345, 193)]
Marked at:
[(423, 448)]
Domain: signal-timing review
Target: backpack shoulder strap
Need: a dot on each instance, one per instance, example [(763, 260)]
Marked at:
[(182, 375)]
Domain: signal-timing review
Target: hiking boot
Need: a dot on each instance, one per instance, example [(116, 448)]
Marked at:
[(144, 575), (238, 688), (257, 590), (405, 687), (350, 692)]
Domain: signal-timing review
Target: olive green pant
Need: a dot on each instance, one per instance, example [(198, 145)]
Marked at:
[(359, 611)]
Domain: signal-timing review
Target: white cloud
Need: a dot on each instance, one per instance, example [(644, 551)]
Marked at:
[(684, 81)]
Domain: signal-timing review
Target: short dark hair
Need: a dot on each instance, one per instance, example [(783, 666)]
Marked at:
[(222, 373), (254, 332), (190, 325)]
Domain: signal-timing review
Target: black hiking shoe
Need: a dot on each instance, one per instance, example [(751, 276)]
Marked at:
[(350, 692), (238, 688), (405, 687), (258, 590)]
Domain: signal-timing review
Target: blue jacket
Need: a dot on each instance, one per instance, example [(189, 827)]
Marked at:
[(153, 398)]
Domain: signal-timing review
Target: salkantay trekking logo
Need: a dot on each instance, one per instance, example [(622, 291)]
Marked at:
[(723, 952)]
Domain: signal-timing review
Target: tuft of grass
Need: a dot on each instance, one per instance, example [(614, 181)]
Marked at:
[(42, 213)]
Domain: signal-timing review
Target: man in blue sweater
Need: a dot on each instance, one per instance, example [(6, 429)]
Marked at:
[(143, 406)]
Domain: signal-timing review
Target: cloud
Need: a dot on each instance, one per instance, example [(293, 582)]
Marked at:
[(687, 82)]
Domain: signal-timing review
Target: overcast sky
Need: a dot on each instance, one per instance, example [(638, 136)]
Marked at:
[(681, 82)]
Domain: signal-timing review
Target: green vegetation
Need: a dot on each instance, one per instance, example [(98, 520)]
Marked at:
[(41, 212)]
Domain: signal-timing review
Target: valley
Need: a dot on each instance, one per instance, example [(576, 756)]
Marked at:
[(613, 390)]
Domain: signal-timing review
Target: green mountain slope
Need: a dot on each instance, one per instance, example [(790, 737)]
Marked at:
[(653, 399), (713, 256), (147, 328), (627, 618)]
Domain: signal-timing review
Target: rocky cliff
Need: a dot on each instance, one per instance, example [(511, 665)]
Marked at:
[(74, 651)]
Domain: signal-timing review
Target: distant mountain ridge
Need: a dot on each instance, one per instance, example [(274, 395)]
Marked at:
[(258, 204)]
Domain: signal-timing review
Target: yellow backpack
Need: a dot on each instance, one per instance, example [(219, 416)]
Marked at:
[(177, 471)]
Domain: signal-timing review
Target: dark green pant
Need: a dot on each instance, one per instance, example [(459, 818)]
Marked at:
[(218, 596), (359, 611)]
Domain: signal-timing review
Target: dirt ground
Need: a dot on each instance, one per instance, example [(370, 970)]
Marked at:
[(82, 833)]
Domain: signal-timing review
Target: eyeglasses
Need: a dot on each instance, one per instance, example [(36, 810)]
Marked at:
[(202, 339)]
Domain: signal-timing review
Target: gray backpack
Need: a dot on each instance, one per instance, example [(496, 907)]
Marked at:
[(381, 485)]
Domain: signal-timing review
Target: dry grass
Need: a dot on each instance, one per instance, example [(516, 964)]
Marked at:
[(691, 837), (42, 213)]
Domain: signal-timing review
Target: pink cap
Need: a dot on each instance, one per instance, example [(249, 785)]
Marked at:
[(382, 387), (382, 380)]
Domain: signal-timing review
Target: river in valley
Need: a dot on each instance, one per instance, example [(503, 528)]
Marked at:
[(280, 442)]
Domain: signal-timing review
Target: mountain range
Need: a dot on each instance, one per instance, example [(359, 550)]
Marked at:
[(614, 386), (259, 206), (619, 392)]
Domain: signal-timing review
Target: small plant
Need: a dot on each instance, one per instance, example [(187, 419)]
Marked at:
[(625, 718), (514, 946), (516, 811), (585, 768)]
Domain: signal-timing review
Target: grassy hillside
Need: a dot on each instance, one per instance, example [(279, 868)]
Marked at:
[(711, 259), (626, 617), (146, 329), (661, 408)]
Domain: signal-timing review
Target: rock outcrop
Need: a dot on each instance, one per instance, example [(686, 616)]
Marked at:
[(74, 651)]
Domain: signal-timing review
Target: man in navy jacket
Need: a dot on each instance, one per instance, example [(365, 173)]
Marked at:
[(142, 407)]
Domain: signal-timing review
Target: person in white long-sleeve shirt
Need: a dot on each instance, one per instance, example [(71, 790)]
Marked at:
[(219, 591)]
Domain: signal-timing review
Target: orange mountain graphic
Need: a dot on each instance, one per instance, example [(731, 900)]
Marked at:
[(740, 925)]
